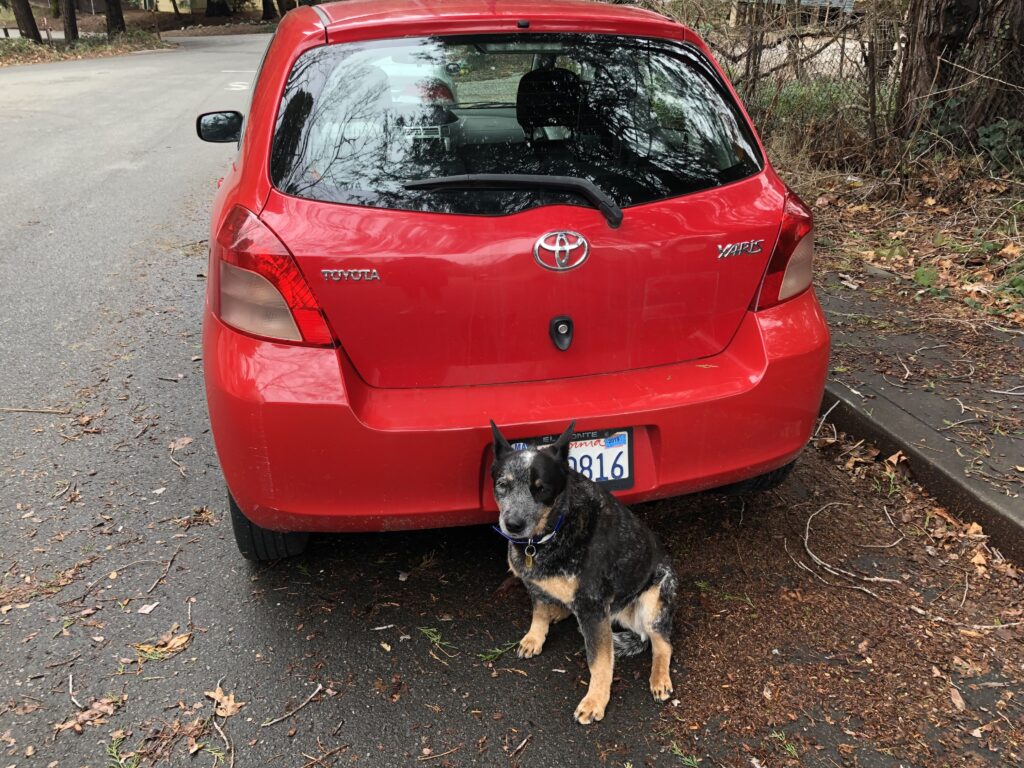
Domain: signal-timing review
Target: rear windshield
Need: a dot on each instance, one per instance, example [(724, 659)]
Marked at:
[(642, 119)]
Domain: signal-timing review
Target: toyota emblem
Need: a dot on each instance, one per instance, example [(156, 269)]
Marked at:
[(561, 251)]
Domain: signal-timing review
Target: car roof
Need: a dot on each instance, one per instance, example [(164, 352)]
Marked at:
[(544, 15)]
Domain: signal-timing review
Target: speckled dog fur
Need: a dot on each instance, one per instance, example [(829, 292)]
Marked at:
[(604, 566)]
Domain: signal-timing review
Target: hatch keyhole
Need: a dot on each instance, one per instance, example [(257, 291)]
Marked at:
[(561, 331)]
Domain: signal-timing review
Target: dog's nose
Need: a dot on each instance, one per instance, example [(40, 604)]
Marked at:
[(515, 527)]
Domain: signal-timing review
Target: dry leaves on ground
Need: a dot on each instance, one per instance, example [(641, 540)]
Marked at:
[(226, 704), (167, 645), (95, 714)]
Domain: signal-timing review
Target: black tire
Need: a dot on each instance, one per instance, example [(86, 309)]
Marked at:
[(759, 484), (256, 543)]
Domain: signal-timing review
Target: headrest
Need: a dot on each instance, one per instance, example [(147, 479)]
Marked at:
[(548, 97)]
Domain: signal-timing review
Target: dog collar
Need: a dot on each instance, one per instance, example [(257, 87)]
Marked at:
[(532, 542)]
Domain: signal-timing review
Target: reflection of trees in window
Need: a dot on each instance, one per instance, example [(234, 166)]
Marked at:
[(650, 121)]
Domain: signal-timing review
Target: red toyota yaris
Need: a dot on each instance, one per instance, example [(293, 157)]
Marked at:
[(448, 212)]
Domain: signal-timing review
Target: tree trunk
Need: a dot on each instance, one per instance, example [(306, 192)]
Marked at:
[(218, 8), (69, 15), (269, 11), (26, 21), (996, 49), (177, 11), (961, 49), (115, 18)]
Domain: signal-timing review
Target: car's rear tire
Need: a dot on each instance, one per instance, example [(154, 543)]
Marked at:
[(765, 482), (256, 543)]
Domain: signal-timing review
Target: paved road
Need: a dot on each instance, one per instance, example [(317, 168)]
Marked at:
[(103, 210)]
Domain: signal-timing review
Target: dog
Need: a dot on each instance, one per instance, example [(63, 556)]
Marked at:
[(580, 551)]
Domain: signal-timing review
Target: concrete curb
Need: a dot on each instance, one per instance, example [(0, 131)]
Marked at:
[(933, 460)]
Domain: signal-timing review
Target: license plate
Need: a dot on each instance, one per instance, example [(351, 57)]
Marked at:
[(604, 456)]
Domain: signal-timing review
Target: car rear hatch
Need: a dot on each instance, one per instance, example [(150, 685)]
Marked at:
[(457, 286)]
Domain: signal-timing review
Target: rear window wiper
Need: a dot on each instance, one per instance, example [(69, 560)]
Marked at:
[(583, 187)]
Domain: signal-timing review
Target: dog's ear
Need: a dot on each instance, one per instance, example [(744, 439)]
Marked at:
[(501, 446), (561, 446)]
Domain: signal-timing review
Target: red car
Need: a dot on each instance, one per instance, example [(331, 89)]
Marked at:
[(448, 212)]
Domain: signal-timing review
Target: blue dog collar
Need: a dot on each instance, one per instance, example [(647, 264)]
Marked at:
[(531, 542)]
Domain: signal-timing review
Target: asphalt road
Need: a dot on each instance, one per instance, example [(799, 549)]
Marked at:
[(108, 539)]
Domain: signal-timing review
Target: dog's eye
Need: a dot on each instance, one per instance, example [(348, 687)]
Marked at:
[(501, 485)]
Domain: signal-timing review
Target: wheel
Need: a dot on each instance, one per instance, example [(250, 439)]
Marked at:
[(764, 482), (256, 543)]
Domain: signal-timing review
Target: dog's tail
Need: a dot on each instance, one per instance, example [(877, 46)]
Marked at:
[(627, 643)]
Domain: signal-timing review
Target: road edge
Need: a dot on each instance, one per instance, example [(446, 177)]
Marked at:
[(935, 467)]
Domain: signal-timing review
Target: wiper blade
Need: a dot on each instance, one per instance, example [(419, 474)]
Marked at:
[(583, 187), (483, 104)]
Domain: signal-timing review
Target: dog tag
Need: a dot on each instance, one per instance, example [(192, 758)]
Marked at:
[(530, 551)]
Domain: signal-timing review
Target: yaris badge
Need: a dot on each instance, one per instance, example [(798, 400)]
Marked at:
[(561, 251), (725, 250)]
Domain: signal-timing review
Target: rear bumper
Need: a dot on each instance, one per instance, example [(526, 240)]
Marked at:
[(306, 445)]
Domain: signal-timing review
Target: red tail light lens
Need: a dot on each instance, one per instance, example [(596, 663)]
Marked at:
[(790, 269), (256, 287), (436, 91)]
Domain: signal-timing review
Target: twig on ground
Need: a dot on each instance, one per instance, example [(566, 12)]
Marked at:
[(60, 411), (967, 585), (824, 416), (1017, 391), (92, 586), (912, 608), (66, 661), (227, 742), (163, 575), (835, 570), (958, 423), (521, 747), (285, 716), (177, 463), (907, 375), (71, 691), (312, 760), (423, 758)]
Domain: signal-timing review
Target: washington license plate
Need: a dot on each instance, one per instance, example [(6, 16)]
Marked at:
[(604, 456)]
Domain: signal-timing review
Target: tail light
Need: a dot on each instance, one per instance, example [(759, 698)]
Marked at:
[(256, 287), (789, 271), (435, 91)]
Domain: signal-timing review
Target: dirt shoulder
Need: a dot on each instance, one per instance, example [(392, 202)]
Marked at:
[(17, 51)]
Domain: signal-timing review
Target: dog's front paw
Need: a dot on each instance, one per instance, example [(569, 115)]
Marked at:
[(661, 687), (590, 710), (530, 646)]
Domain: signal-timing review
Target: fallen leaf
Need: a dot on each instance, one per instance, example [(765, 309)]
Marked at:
[(226, 704), (168, 644), (180, 443), (958, 700), (148, 608)]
